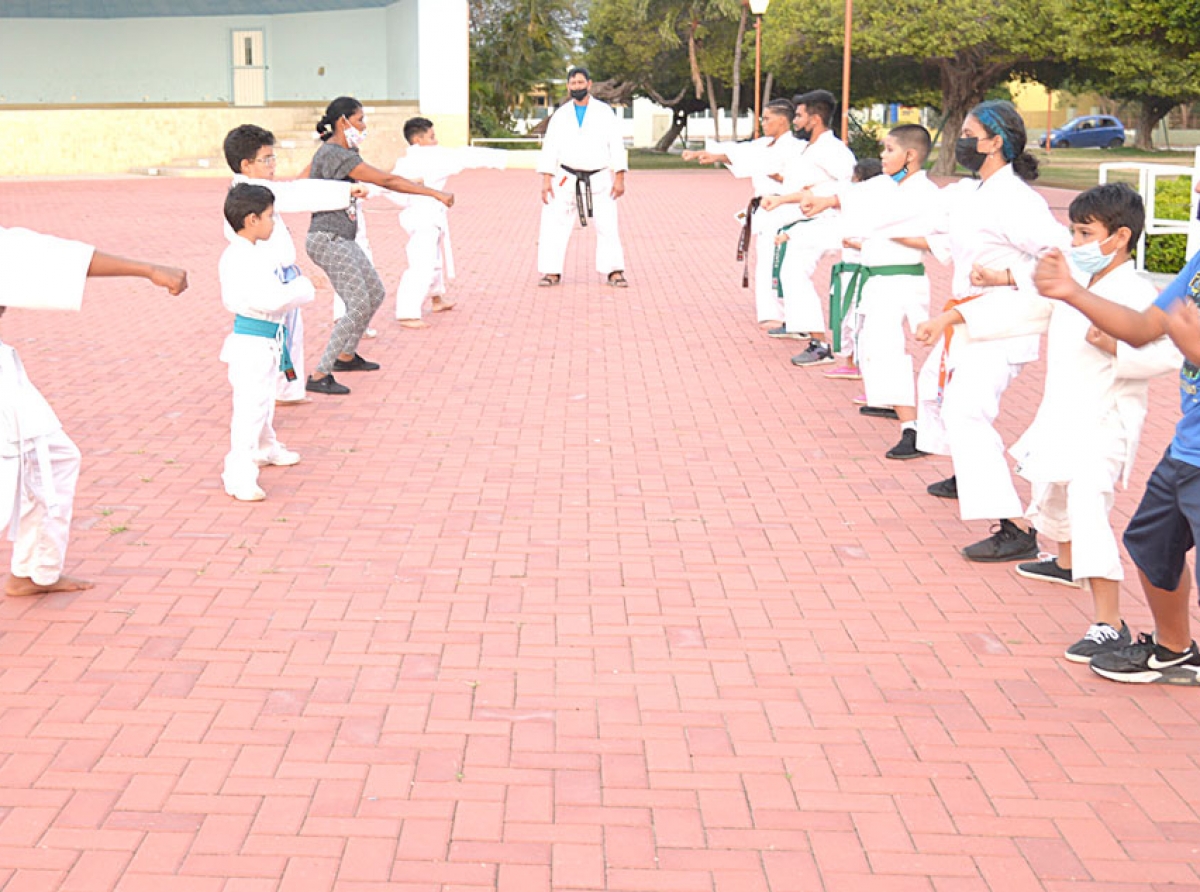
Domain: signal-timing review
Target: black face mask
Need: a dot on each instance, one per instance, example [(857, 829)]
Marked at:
[(580, 94), (966, 153), (803, 134)]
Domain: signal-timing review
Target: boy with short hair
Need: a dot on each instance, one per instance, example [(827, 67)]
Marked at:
[(426, 220), (39, 465), (250, 153), (1164, 527), (260, 291), (1085, 435)]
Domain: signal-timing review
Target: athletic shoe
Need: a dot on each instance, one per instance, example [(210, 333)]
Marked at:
[(907, 447), (1008, 542), (1100, 638), (1047, 571), (357, 364), (944, 489), (782, 332), (325, 385), (249, 494), (1146, 662), (816, 354), (879, 412), (860, 400), (845, 373), (370, 333), (281, 458)]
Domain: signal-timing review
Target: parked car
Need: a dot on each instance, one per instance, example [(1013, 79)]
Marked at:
[(1103, 131)]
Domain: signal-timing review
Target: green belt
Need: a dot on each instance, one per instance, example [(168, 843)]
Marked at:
[(261, 328), (777, 260), (842, 300)]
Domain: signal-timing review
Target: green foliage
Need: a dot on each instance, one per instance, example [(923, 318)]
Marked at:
[(864, 140), (1173, 201)]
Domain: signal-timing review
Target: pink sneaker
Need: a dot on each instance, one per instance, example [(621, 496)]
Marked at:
[(860, 400), (845, 372)]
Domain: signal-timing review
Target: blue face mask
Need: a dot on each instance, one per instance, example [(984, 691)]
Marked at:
[(1090, 259), (900, 175)]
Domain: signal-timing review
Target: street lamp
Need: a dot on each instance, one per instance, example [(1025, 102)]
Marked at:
[(758, 7)]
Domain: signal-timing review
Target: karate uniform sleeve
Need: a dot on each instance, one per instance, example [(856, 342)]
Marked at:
[(618, 155), (1159, 357), (551, 146), (42, 272), (745, 158), (249, 284), (475, 157), (299, 196)]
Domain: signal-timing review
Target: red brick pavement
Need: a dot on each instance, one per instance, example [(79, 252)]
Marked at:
[(587, 590)]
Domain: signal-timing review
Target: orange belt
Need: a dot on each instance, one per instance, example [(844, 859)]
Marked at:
[(943, 375)]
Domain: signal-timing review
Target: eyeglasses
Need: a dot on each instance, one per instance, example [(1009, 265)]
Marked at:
[(266, 159)]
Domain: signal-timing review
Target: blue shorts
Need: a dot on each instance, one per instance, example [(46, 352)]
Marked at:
[(1167, 522)]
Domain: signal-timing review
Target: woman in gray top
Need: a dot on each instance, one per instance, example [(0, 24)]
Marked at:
[(331, 243)]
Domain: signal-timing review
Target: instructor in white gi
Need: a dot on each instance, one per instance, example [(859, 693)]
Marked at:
[(582, 163)]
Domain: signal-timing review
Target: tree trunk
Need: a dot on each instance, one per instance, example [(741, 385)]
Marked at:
[(678, 122), (736, 103), (713, 108), (965, 81), (1150, 112), (767, 87)]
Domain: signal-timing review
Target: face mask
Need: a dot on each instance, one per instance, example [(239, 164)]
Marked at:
[(966, 153), (580, 94), (1090, 258), (900, 175), (354, 136)]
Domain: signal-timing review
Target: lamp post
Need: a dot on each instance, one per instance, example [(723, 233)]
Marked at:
[(758, 7), (846, 73)]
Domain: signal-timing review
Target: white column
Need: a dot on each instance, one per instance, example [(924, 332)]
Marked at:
[(445, 67)]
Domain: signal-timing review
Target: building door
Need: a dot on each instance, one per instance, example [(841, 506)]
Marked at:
[(249, 72)]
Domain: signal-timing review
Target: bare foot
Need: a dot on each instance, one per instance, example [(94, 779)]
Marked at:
[(441, 306), (413, 323), (23, 586)]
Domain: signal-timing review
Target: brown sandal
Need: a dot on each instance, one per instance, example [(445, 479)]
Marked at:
[(549, 280), (617, 279)]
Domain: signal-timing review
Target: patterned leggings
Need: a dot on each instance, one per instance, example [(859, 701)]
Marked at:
[(355, 279)]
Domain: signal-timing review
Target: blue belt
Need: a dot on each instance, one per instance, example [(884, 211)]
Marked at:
[(261, 328)]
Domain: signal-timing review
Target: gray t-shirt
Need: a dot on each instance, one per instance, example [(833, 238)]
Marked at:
[(332, 162)]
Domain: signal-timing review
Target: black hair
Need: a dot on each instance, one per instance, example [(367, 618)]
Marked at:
[(245, 199), (243, 142), (342, 107), (867, 168), (915, 137), (817, 102), (782, 107), (578, 69), (414, 127), (1001, 118), (1112, 205)]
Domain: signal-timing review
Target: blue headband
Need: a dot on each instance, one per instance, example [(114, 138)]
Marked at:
[(992, 123)]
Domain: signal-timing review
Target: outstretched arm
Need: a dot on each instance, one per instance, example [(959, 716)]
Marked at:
[(365, 173), (105, 265)]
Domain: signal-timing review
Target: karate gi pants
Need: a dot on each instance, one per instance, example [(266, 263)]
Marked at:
[(253, 369), (803, 307), (1078, 512), (963, 426), (426, 273), (882, 348), (43, 506), (560, 217)]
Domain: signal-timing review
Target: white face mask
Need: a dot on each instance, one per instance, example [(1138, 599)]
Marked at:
[(1090, 258), (354, 136)]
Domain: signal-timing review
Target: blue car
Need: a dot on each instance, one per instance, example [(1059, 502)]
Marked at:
[(1099, 131)]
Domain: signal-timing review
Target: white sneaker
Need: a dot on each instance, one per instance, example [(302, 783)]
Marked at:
[(250, 494), (370, 333), (283, 458)]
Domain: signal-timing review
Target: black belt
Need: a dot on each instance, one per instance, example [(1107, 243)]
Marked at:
[(744, 241), (583, 191)]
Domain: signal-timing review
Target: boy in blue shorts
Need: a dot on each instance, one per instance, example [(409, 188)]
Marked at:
[(1167, 522)]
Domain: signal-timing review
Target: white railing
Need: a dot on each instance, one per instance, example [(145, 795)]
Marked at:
[(1148, 176)]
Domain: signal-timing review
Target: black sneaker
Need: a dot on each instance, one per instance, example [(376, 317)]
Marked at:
[(782, 332), (944, 489), (325, 385), (357, 364), (907, 447), (879, 412), (1008, 542), (1047, 571), (1146, 662), (1100, 638), (816, 354)]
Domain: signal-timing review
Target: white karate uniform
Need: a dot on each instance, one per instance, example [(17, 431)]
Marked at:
[(824, 163), (251, 286), (39, 465), (597, 145), (879, 211), (425, 219), (999, 223), (761, 161), (294, 196), (1085, 435)]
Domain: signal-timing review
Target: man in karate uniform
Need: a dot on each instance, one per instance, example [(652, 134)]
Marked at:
[(39, 465), (582, 163), (771, 163), (430, 257)]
